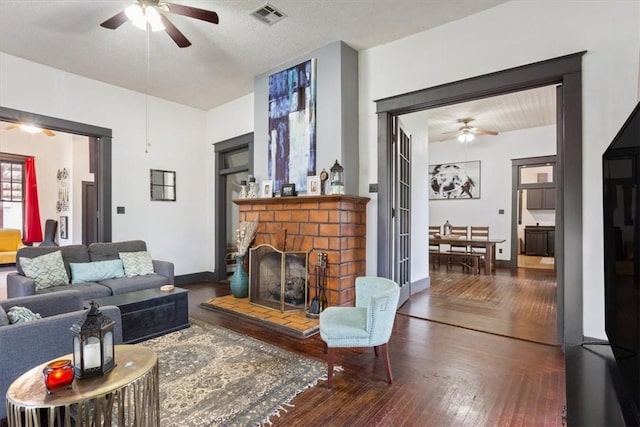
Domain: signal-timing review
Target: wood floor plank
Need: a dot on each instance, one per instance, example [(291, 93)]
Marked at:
[(443, 375)]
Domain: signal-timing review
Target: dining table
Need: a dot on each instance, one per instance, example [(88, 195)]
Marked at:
[(488, 244)]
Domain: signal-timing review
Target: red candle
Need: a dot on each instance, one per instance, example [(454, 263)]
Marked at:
[(58, 375)]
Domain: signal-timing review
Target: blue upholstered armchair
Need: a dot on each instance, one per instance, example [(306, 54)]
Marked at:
[(368, 324), (26, 345)]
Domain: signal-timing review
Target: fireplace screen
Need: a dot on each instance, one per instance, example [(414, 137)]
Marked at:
[(278, 279)]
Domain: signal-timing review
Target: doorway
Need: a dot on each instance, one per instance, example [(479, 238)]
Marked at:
[(99, 140), (233, 163), (563, 70)]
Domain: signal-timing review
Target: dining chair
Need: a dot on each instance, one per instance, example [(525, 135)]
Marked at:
[(463, 232), (50, 230), (479, 233), (433, 230), (368, 324)]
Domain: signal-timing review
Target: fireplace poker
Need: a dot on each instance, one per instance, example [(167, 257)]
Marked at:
[(314, 307)]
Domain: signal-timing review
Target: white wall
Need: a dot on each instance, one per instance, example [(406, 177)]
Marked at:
[(495, 154), (173, 230), (510, 35), (225, 122)]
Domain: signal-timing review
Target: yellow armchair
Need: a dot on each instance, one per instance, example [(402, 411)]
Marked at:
[(10, 242)]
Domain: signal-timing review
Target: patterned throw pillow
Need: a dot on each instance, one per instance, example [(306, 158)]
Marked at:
[(45, 270), (17, 314), (136, 263)]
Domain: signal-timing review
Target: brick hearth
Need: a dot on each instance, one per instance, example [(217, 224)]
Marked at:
[(336, 225)]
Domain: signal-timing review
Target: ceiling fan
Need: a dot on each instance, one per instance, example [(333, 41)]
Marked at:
[(29, 128), (466, 133), (152, 12)]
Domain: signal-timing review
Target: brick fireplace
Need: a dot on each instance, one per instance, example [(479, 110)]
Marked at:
[(335, 225)]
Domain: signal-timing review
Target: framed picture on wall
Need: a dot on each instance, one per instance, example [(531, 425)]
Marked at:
[(449, 181), (64, 227)]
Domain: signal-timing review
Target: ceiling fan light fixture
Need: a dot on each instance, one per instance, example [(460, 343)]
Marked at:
[(136, 16), (153, 18), (466, 137), (30, 128)]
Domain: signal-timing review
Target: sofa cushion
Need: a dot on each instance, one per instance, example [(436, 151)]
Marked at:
[(82, 272), (88, 290), (137, 263), (17, 314), (105, 251), (4, 320), (46, 270), (71, 253), (137, 283)]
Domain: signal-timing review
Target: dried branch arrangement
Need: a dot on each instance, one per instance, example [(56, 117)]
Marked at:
[(244, 235)]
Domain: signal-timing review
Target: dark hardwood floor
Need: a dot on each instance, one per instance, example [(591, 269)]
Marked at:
[(443, 376)]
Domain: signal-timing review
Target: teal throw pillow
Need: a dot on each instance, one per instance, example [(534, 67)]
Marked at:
[(45, 270), (4, 320), (137, 263), (17, 314), (83, 272)]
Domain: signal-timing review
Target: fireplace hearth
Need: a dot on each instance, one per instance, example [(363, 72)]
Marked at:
[(278, 279)]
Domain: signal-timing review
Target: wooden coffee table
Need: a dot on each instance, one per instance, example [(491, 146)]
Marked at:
[(150, 313)]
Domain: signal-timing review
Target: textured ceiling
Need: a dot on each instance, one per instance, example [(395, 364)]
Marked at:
[(224, 58)]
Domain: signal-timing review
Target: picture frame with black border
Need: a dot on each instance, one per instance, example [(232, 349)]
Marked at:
[(288, 190)]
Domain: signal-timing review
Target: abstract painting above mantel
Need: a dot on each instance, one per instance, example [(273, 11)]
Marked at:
[(454, 181), (292, 126)]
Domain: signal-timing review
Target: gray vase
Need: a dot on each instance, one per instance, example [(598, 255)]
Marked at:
[(240, 280)]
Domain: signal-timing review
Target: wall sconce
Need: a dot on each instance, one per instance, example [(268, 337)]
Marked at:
[(93, 349)]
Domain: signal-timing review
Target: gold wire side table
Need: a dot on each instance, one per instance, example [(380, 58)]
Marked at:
[(126, 396)]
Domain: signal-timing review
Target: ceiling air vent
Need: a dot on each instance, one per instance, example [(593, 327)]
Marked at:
[(268, 14)]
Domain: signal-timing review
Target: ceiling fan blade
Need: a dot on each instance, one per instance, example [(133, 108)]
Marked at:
[(193, 12), (174, 33), (483, 131), (115, 21), (451, 134), (13, 126), (48, 132)]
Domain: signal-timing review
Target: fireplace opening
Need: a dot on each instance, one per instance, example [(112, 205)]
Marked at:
[(278, 279)]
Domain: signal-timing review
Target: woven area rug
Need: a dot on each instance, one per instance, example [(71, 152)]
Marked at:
[(211, 376)]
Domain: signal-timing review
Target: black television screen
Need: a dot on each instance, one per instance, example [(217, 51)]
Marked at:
[(621, 163)]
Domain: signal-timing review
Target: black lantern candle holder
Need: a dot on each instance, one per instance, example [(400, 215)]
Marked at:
[(337, 178), (93, 347)]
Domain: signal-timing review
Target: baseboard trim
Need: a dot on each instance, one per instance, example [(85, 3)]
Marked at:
[(203, 276), (420, 285)]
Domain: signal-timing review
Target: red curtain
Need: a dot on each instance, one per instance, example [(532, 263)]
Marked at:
[(32, 225)]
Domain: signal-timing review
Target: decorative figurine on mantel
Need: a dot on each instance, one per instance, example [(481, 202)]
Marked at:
[(324, 176)]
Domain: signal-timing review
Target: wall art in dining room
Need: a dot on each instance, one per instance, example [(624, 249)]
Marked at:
[(292, 126), (454, 181)]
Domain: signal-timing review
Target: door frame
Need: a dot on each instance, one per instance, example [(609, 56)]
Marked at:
[(220, 199), (564, 70)]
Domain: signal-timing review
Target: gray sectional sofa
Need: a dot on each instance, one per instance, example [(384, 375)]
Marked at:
[(19, 285), (28, 344)]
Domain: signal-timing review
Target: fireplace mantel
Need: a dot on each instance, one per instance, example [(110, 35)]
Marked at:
[(336, 225)]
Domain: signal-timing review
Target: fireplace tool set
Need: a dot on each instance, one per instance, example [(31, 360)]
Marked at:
[(319, 301)]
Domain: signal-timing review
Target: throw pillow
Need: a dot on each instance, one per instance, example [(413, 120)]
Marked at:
[(136, 263), (4, 320), (83, 272), (17, 314), (45, 270)]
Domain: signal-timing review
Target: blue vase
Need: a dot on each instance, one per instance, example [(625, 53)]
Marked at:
[(240, 280)]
